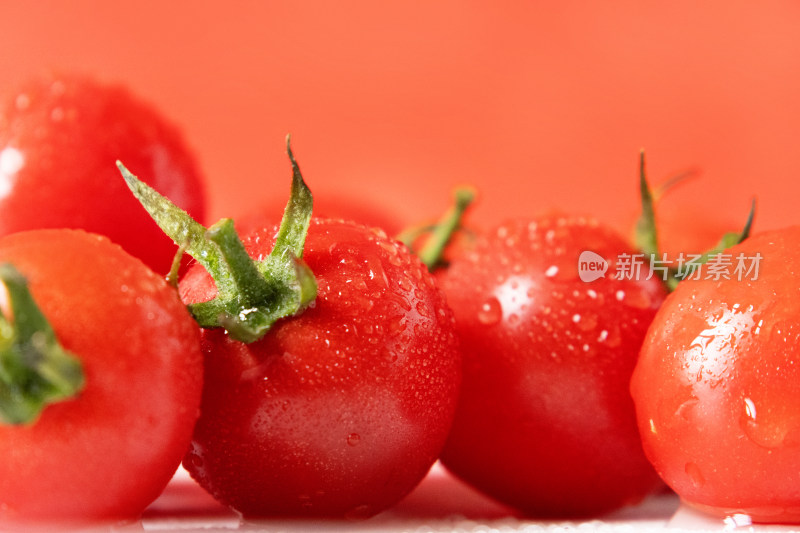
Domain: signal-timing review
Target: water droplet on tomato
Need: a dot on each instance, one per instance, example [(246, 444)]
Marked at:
[(195, 461), (695, 475), (422, 309), (587, 322), (638, 299), (686, 409), (22, 102), (57, 114), (360, 512), (490, 312), (353, 439), (767, 431)]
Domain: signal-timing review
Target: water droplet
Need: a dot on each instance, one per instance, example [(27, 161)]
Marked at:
[(620, 295), (57, 114), (194, 460), (490, 312), (769, 427), (551, 271), (587, 322), (23, 101), (353, 439), (614, 337), (695, 475), (638, 299), (686, 409), (361, 512)]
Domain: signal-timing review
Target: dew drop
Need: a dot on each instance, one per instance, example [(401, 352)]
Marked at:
[(695, 475), (587, 322), (638, 299), (195, 461), (57, 114), (361, 512), (686, 409), (23, 101), (353, 439), (490, 312), (765, 429)]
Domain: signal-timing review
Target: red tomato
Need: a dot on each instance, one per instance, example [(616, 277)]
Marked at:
[(59, 140), (110, 451), (545, 422), (342, 409), (717, 385)]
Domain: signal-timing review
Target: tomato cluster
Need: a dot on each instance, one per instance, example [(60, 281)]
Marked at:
[(317, 367)]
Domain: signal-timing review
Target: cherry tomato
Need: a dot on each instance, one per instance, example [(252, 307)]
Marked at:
[(342, 409), (717, 385), (545, 422), (110, 450), (59, 139)]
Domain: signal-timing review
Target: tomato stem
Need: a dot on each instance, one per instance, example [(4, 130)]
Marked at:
[(35, 370), (432, 251), (646, 232), (251, 295), (646, 235)]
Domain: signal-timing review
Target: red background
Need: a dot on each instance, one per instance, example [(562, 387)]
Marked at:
[(538, 104)]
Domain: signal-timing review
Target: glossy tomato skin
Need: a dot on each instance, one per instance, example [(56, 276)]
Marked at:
[(545, 422), (110, 451), (60, 137), (717, 386), (341, 410)]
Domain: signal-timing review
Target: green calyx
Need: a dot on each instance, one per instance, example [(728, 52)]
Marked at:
[(251, 294), (646, 234), (439, 234), (35, 370)]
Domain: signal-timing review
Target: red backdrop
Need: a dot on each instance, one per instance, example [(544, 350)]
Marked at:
[(538, 104)]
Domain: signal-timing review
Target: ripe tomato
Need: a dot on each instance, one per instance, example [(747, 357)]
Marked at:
[(109, 451), (59, 140), (342, 409), (717, 385), (545, 422)]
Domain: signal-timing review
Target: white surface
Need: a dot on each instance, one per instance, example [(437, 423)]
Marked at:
[(439, 504)]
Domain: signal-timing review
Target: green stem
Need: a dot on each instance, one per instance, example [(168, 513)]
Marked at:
[(442, 232), (646, 236), (646, 233), (35, 370), (251, 295)]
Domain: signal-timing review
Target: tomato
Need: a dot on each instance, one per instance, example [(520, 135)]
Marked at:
[(717, 385), (341, 409), (109, 451), (545, 422), (59, 139)]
